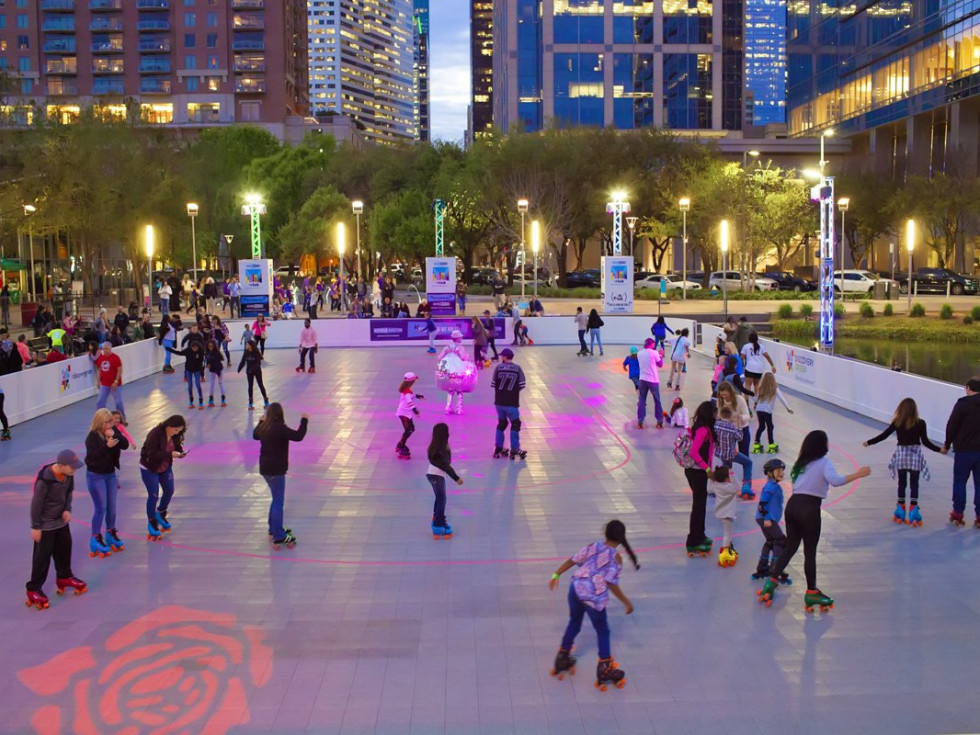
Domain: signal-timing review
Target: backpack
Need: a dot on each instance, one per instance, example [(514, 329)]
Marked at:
[(682, 450)]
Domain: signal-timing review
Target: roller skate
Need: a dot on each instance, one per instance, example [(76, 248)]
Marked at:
[(784, 579), (816, 598), (757, 448), (289, 541), (287, 530), (162, 521), (702, 549), (746, 492), (250, 406), (153, 531), (773, 449), (168, 370), (265, 403), (762, 570), (956, 518), (447, 530), (200, 405), (210, 401), (224, 403), (98, 547), (608, 672), (312, 370), (403, 453), (37, 599), (899, 515), (768, 592), (499, 452), (5, 435), (115, 543), (518, 453), (431, 350), (70, 583), (437, 531), (564, 661), (301, 370), (728, 557), (639, 423), (190, 405)]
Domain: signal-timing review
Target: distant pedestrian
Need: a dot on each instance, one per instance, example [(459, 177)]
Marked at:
[(650, 363), (963, 437)]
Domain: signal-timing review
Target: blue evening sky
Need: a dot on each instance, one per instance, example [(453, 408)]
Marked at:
[(449, 62)]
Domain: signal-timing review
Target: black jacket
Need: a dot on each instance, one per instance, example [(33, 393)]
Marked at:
[(100, 458), (10, 362), (122, 321), (52, 497), (595, 322), (274, 449), (193, 337), (210, 291), (215, 361), (443, 460), (156, 452), (252, 361), (194, 359), (963, 427)]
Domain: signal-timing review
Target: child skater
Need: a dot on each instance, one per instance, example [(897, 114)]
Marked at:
[(632, 365), (726, 498), (907, 461), (765, 406), (768, 515), (678, 414), (247, 335), (440, 467), (659, 331), (309, 343), (275, 435), (407, 411), (597, 575), (252, 362), (216, 364)]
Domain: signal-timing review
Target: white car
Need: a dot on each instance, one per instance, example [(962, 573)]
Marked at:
[(732, 281), (855, 281), (673, 283)]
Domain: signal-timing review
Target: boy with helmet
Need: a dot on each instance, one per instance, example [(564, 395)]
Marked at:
[(768, 516)]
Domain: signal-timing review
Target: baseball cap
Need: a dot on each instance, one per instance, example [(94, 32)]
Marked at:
[(507, 352), (68, 457), (411, 376)]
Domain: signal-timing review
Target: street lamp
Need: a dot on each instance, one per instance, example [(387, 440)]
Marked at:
[(30, 209), (631, 223), (842, 204), (522, 205), (358, 207), (254, 209), (828, 133), (535, 245), (723, 236), (685, 205), (910, 245), (340, 249), (149, 267), (745, 154)]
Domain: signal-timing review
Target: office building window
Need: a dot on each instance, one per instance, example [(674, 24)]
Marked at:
[(191, 84), (212, 20), (23, 42), (23, 22), (190, 41), (578, 21), (687, 91), (190, 62), (688, 22), (190, 19), (579, 89), (23, 64), (633, 22), (633, 90), (212, 61)]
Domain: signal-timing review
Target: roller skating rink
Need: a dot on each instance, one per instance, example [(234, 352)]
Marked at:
[(369, 625)]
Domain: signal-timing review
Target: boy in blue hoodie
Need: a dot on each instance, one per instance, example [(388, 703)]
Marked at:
[(431, 328), (632, 365), (768, 515)]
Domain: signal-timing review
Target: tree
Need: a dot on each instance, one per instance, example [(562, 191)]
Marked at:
[(870, 213), (788, 217), (311, 229), (944, 207)]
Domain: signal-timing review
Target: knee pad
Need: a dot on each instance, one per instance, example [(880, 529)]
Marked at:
[(501, 424), (515, 425)]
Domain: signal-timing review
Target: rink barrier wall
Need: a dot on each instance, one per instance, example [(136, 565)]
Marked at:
[(870, 390)]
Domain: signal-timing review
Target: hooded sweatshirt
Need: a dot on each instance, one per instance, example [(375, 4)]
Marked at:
[(963, 427)]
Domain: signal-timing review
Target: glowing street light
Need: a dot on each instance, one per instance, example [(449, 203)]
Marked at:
[(29, 210), (685, 205), (843, 204), (535, 246), (828, 133), (149, 267), (746, 154), (340, 250), (910, 246), (723, 238), (522, 205), (358, 208)]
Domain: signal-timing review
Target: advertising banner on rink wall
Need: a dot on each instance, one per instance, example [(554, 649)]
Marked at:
[(255, 277), (617, 285), (440, 285)]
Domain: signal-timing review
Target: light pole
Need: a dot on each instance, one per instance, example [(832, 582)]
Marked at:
[(842, 204), (723, 236), (535, 245), (910, 246), (30, 209), (254, 209), (685, 205), (192, 210), (631, 223), (340, 249), (828, 133), (149, 267), (754, 154), (358, 207), (522, 205), (617, 208)]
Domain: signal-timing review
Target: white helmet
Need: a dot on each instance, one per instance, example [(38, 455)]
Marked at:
[(457, 336)]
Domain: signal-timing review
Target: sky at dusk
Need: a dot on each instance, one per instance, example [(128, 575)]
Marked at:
[(449, 64)]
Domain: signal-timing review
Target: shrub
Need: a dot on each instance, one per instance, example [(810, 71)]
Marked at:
[(918, 310), (889, 310), (975, 313), (946, 312), (839, 311), (866, 311), (785, 311), (806, 310), (968, 319)]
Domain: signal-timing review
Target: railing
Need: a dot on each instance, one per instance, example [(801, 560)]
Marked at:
[(247, 4), (105, 24), (248, 45), (107, 66), (153, 25), (107, 47), (250, 86), (61, 66), (62, 89), (60, 46), (155, 86), (154, 66), (107, 86), (245, 64), (58, 25), (152, 4), (242, 23), (105, 5), (67, 5), (160, 45)]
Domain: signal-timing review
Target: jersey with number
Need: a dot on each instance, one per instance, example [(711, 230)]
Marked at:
[(507, 384)]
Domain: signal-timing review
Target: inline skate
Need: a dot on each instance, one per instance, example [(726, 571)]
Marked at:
[(564, 662), (608, 672), (98, 547), (816, 598)]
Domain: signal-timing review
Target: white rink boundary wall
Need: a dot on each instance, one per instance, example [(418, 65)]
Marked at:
[(866, 389)]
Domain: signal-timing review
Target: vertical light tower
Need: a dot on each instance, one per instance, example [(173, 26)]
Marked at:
[(843, 204), (723, 241), (910, 246), (192, 210), (149, 267), (522, 205), (824, 194), (358, 208), (29, 210), (617, 208), (340, 251), (535, 245), (254, 209), (685, 205), (440, 210)]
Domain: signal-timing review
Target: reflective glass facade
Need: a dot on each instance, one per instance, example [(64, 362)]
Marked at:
[(481, 66), (765, 59)]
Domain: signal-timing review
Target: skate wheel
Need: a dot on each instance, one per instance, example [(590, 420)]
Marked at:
[(571, 671), (91, 554), (436, 537), (690, 555), (621, 683), (447, 536), (769, 603), (600, 687), (59, 591), (561, 677), (808, 610)]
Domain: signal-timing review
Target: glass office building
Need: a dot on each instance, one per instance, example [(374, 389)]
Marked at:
[(421, 31), (481, 67), (620, 63), (765, 61)]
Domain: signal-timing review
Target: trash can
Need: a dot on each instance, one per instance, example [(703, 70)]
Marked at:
[(28, 310), (880, 290)]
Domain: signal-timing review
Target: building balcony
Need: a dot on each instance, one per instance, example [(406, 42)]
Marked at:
[(60, 46), (248, 45), (155, 65), (247, 4), (249, 86), (97, 6), (154, 46), (107, 47), (61, 67), (56, 88), (155, 86), (102, 23), (107, 86), (249, 63), (153, 4), (152, 25), (58, 25), (248, 23), (58, 6), (108, 66)]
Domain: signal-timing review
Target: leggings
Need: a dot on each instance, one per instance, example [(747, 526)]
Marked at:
[(765, 422), (261, 343), (3, 416), (576, 613), (697, 480), (221, 384), (910, 476), (156, 482), (255, 378), (408, 428), (224, 346), (478, 353), (773, 546), (802, 524)]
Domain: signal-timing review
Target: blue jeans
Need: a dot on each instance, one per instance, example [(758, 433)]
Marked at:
[(581, 340), (511, 414), (746, 464), (155, 482), (641, 406), (194, 379), (594, 337), (461, 300), (166, 357), (164, 306), (963, 464), (438, 483), (103, 489), (277, 486), (576, 612), (116, 392)]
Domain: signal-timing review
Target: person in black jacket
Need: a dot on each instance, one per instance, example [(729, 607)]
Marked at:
[(194, 369), (121, 320), (162, 446), (103, 445), (216, 365), (275, 436), (594, 326), (963, 436), (252, 362), (440, 467)]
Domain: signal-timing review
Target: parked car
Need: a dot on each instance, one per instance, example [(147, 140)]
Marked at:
[(790, 282), (287, 272), (733, 281), (589, 278), (937, 280), (857, 281), (674, 283), (482, 276)]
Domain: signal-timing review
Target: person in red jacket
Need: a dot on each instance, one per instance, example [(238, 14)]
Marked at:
[(110, 372)]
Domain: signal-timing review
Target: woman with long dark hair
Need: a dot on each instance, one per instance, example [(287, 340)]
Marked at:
[(161, 447), (812, 476), (275, 436), (440, 467), (166, 338), (702, 452)]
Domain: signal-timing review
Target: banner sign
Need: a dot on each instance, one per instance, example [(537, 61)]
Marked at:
[(255, 277), (617, 284), (402, 330), (440, 285)]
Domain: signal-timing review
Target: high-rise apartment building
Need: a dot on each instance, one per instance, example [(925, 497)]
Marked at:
[(169, 62), (481, 67), (621, 64), (362, 65), (765, 61), (421, 30)]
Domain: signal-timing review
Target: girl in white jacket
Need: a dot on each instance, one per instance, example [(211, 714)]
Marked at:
[(407, 411), (726, 500)]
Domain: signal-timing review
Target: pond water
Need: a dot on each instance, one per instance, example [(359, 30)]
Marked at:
[(952, 362)]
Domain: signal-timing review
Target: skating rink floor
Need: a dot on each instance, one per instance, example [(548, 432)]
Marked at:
[(370, 626)]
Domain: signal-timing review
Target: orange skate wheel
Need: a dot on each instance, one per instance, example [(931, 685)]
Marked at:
[(621, 683)]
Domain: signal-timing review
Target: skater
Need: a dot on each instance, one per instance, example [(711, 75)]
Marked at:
[(407, 411), (907, 461), (259, 329), (507, 383), (728, 436), (594, 326), (963, 436), (216, 366), (461, 291), (599, 566), (702, 452), (768, 515), (110, 371), (650, 363), (247, 335), (518, 325), (431, 330), (50, 528), (632, 367), (581, 324), (755, 359), (765, 406), (455, 375), (309, 344), (659, 331), (812, 476), (440, 467), (252, 362), (726, 497), (5, 433), (481, 339), (728, 398), (490, 329), (163, 444), (678, 414), (222, 337), (193, 356), (275, 435), (103, 445), (678, 359)]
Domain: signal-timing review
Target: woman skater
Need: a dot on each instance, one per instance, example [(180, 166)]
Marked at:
[(275, 436), (678, 359), (252, 362), (659, 331), (812, 476), (907, 461), (755, 358), (599, 566), (594, 326), (216, 366), (703, 453), (407, 411), (440, 467), (259, 332), (161, 447), (194, 370), (103, 445), (167, 338)]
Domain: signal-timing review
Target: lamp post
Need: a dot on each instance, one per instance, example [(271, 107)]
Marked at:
[(358, 207), (910, 246), (254, 209), (192, 210), (754, 154), (535, 245), (828, 133), (340, 250), (149, 267), (30, 209), (842, 204), (723, 236), (631, 223), (522, 205), (617, 208), (685, 205)]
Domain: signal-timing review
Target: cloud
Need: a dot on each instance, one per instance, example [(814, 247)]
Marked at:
[(449, 65)]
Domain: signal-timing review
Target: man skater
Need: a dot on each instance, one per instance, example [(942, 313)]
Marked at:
[(507, 383), (491, 331), (650, 362)]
